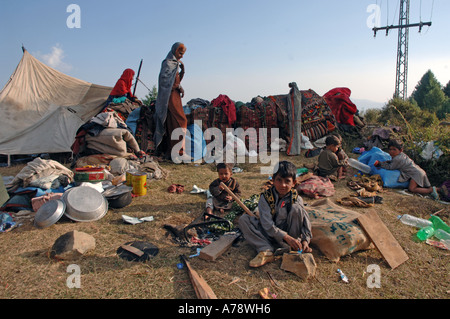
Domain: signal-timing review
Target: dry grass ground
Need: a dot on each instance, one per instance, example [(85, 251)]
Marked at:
[(28, 272)]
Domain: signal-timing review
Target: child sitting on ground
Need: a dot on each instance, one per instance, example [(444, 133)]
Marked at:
[(329, 165), (283, 221), (342, 156), (221, 200), (409, 171)]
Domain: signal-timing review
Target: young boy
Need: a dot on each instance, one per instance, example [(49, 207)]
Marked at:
[(283, 221), (221, 200), (329, 165), (418, 180)]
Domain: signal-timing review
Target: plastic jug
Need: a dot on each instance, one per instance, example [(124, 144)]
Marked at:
[(439, 224), (414, 221), (359, 166)]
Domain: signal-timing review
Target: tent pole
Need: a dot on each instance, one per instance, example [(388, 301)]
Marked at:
[(137, 78)]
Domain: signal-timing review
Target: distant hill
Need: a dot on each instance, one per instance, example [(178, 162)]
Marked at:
[(367, 104)]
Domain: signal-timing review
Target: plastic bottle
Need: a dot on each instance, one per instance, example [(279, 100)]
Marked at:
[(441, 234), (425, 233), (343, 276), (359, 166), (414, 221), (439, 224)]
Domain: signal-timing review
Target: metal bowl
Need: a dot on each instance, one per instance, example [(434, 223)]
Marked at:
[(49, 213), (84, 204), (118, 196)]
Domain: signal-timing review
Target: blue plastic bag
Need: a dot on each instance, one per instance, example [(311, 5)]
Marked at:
[(6, 222), (389, 177), (195, 142), (132, 120)]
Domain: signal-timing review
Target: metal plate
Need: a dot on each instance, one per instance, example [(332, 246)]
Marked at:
[(49, 213)]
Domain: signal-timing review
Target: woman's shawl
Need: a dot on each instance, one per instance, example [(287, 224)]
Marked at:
[(123, 85), (169, 69)]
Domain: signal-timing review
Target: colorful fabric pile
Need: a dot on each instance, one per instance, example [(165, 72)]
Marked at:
[(340, 104)]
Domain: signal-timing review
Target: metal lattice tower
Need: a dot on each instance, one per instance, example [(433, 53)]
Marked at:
[(401, 81)]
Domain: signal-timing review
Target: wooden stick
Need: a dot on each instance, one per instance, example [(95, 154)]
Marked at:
[(202, 289), (245, 208)]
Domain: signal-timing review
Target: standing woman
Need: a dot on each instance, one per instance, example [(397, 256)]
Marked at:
[(169, 113)]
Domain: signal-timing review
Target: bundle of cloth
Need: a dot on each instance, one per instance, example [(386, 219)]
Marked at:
[(340, 104), (106, 133)]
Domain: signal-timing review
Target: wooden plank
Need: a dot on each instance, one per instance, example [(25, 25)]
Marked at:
[(133, 250), (218, 247), (383, 239), (202, 289)]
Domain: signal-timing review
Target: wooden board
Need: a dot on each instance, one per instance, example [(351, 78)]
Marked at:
[(218, 247), (383, 239), (202, 289)]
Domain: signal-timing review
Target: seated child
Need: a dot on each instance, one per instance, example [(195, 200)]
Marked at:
[(283, 221), (329, 165), (342, 156), (221, 200), (418, 180)]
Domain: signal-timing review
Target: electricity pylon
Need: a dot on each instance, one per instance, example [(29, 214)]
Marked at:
[(401, 81)]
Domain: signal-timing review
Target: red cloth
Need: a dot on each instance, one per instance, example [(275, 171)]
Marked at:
[(123, 85), (228, 107), (338, 100)]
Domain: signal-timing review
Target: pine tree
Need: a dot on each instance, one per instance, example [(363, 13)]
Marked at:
[(151, 96), (447, 90), (429, 94)]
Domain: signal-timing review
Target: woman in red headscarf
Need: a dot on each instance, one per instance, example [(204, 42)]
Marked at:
[(123, 87)]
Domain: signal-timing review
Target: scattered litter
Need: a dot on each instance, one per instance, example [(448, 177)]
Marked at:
[(266, 294), (430, 151), (235, 280), (437, 244), (135, 220), (197, 254), (197, 190), (237, 170), (343, 276)]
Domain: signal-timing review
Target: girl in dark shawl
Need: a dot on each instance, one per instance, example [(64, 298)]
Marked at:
[(169, 113)]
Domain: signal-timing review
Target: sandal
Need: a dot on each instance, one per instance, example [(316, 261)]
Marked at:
[(434, 194)]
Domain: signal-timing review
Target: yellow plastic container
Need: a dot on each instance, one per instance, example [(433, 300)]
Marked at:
[(139, 183), (129, 175)]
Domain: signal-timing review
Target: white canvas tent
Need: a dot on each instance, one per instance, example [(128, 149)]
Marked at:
[(41, 109)]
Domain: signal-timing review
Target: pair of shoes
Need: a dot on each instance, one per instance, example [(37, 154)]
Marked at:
[(176, 188), (261, 259), (434, 194)]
